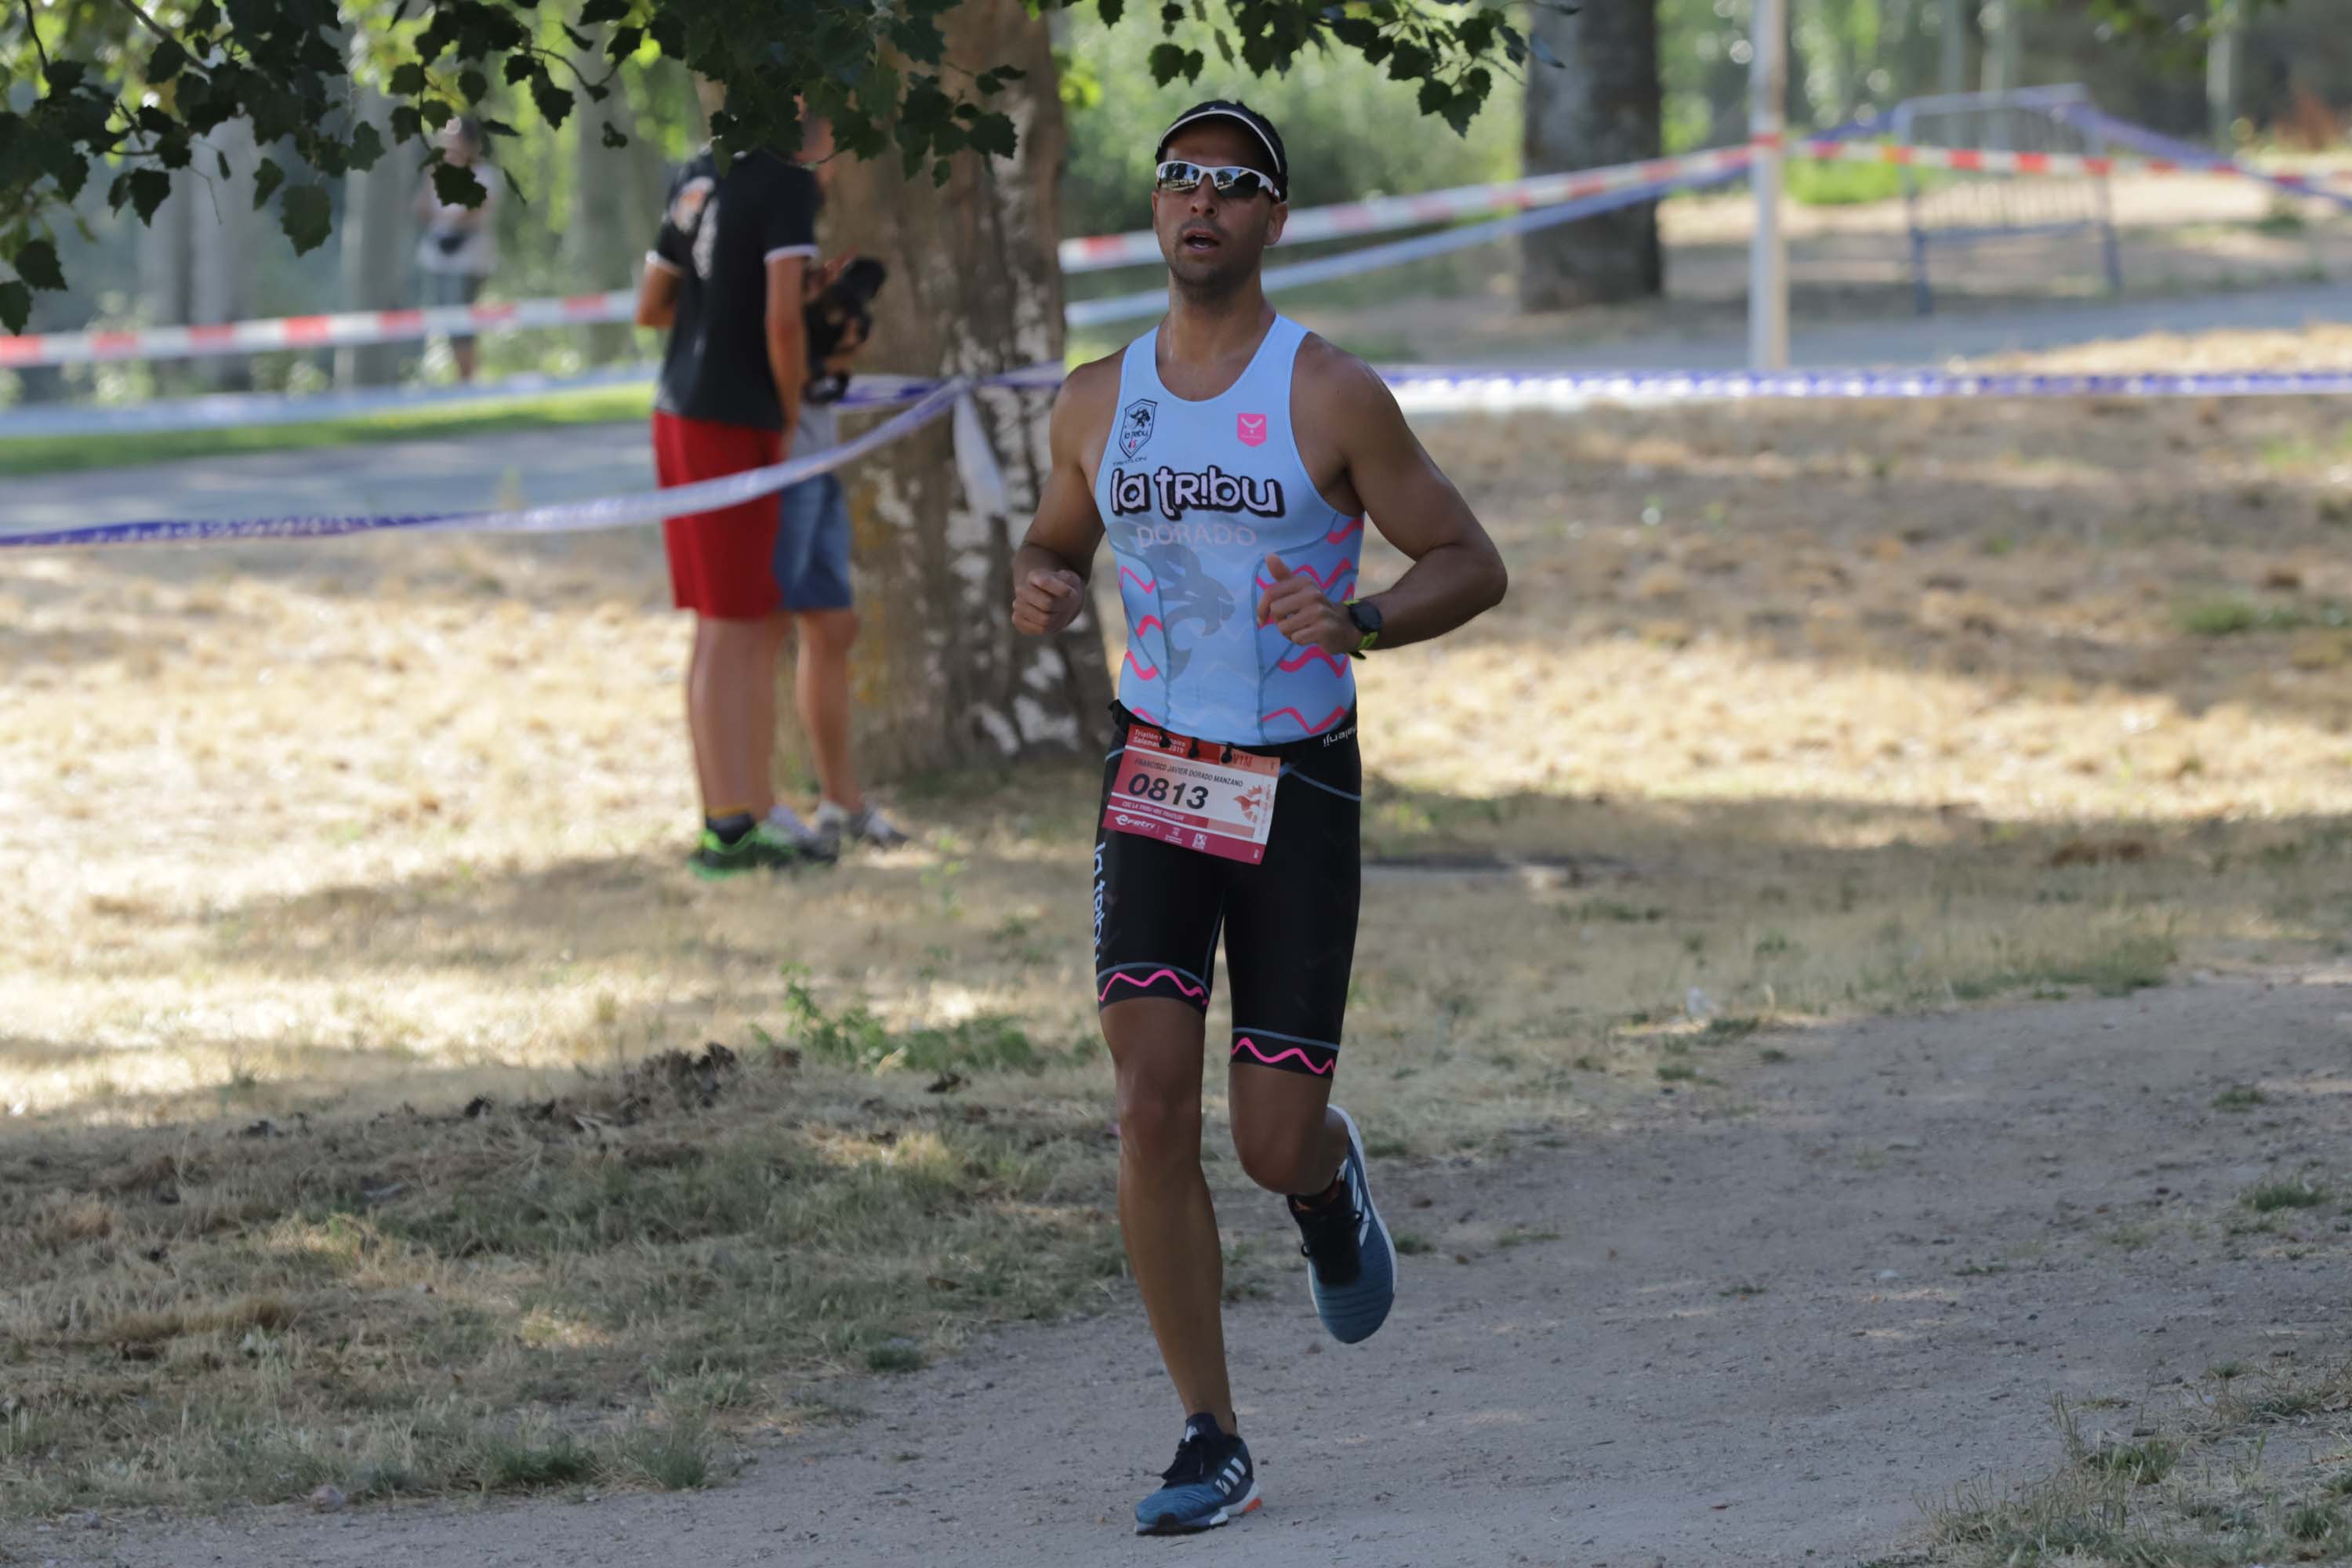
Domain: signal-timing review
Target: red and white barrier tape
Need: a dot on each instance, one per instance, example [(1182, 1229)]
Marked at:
[(1991, 161), (1382, 214), (349, 329), (1097, 253)]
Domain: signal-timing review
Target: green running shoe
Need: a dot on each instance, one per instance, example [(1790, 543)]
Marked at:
[(764, 848)]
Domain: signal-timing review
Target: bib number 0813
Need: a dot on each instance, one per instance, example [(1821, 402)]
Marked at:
[(1162, 791)]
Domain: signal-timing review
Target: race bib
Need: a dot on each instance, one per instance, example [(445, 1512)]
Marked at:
[(1186, 793)]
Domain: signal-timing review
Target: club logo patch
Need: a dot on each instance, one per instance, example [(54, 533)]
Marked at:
[(1136, 424), (1250, 429)]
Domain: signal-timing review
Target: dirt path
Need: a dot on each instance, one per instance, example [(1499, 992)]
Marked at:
[(1950, 1218)]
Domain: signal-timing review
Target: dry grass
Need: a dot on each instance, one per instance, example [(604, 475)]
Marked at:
[(2240, 1470), (1794, 713)]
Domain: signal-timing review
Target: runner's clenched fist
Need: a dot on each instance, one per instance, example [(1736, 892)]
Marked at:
[(1302, 611), (1048, 602)]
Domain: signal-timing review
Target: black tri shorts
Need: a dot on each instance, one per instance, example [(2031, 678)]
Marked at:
[(1289, 922)]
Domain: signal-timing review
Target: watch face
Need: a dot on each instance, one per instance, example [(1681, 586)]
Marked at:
[(1365, 617)]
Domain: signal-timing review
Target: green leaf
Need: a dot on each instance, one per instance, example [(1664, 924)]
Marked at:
[(625, 41), (407, 125), (37, 264), (993, 134), (1110, 11), (519, 68), (408, 80), (15, 306), (306, 214), (1224, 48), (204, 17), (614, 138), (474, 85), (597, 11), (65, 76), (458, 187), (267, 178), (367, 146), (168, 60), (498, 127), (1167, 63), (554, 102), (1434, 96), (148, 188)]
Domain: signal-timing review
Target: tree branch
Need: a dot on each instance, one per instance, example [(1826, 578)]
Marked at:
[(147, 21), (33, 31)]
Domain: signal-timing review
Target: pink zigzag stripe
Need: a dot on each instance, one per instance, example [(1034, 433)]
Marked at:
[(1146, 623), (1339, 571), (1306, 655), (1345, 528), (1336, 714), (1146, 714), (1146, 980), (1145, 583), (1140, 667), (1246, 1042)]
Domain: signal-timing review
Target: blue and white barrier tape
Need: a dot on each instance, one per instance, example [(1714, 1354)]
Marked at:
[(575, 517)]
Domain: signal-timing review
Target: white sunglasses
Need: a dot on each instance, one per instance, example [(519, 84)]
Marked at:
[(1226, 180)]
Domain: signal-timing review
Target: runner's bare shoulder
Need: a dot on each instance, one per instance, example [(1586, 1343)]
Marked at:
[(1084, 409), (1332, 382)]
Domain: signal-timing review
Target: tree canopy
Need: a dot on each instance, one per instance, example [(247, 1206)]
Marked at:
[(126, 91)]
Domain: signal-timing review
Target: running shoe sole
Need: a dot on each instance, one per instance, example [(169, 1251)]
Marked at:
[(1373, 1210), (1168, 1524)]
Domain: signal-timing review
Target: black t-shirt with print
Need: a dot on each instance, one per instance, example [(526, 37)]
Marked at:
[(719, 234)]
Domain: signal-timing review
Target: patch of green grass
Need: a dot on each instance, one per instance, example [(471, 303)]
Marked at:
[(2142, 1463), (1819, 183), (2272, 1195), (896, 1357), (1772, 1054), (1677, 1072), (1745, 1293), (510, 1463), (1517, 1238), (2224, 615), (1409, 1244), (81, 454), (2239, 1097), (1617, 910), (854, 1037), (1720, 1030), (2130, 963), (673, 1457)]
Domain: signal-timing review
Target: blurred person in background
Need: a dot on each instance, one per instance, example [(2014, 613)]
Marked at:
[(812, 558), (460, 247)]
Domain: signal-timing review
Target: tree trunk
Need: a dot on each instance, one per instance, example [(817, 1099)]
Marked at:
[(609, 227), (939, 679), (378, 239), (1601, 106), (220, 250)]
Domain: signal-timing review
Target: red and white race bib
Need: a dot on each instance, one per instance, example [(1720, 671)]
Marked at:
[(1187, 793)]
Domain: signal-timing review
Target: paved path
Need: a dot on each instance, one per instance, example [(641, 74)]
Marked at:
[(481, 472)]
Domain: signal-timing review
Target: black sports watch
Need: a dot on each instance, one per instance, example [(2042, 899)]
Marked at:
[(1367, 617)]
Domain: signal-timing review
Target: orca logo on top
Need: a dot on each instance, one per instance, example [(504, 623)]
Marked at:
[(1136, 424), (1210, 489)]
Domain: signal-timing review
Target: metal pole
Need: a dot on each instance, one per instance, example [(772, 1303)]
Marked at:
[(1954, 43), (1767, 251)]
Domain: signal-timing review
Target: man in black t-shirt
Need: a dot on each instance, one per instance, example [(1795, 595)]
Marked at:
[(728, 274)]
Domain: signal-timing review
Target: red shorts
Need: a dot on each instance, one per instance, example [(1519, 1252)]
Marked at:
[(721, 563)]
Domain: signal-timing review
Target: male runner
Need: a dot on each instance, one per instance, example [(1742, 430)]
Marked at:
[(1234, 458), (729, 274)]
